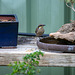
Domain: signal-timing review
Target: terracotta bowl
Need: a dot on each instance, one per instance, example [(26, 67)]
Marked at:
[(52, 44)]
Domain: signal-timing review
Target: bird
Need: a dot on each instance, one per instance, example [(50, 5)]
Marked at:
[(40, 30)]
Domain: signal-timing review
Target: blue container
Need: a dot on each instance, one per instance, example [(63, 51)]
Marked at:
[(8, 31)]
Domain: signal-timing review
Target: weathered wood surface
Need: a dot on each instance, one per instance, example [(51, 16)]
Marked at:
[(49, 58)]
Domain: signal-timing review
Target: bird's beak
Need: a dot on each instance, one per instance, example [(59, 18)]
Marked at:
[(43, 25)]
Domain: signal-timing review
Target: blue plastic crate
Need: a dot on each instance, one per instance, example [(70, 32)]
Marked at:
[(8, 32)]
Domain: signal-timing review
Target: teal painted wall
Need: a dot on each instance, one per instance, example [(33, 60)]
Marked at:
[(48, 12), (15, 7), (31, 13), (44, 70)]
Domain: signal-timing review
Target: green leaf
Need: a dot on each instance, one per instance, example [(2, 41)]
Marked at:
[(10, 64), (67, 1), (73, 1), (37, 62), (28, 66), (38, 70), (33, 72)]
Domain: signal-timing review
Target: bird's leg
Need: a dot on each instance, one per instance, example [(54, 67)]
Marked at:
[(36, 39)]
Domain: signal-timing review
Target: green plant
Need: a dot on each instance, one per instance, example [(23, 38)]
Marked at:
[(70, 4), (28, 66)]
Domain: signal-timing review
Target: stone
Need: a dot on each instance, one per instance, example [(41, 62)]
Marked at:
[(66, 32)]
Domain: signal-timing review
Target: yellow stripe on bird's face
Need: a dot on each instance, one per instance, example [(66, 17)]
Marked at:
[(40, 27)]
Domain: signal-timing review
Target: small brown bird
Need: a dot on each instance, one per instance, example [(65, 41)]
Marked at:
[(39, 30)]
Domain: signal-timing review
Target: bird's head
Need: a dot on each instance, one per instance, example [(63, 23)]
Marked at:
[(41, 25)]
